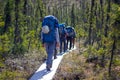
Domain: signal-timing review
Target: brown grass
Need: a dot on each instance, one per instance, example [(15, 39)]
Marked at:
[(22, 67), (74, 67)]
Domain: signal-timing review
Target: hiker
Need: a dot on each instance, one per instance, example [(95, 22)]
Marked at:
[(63, 35), (70, 37), (50, 37), (63, 44), (73, 38)]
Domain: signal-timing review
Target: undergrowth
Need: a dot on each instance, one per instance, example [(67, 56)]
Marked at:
[(21, 67), (74, 67)]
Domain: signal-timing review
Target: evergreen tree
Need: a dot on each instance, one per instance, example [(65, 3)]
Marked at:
[(73, 16), (7, 12)]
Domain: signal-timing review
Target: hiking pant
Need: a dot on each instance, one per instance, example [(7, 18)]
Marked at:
[(73, 42), (69, 43), (55, 52), (50, 47), (62, 45)]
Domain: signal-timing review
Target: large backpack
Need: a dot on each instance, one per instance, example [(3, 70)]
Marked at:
[(49, 25), (70, 31), (62, 30)]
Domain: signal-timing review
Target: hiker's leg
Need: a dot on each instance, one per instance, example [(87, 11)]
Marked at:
[(47, 51), (55, 52), (60, 46), (70, 43), (64, 42), (50, 51), (73, 42), (67, 43)]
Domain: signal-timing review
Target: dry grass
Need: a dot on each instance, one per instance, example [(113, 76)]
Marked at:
[(70, 68), (21, 67), (74, 67)]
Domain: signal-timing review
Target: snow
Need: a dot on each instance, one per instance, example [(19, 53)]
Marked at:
[(43, 74)]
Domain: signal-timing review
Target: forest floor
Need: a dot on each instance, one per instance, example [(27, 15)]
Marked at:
[(23, 66), (72, 67)]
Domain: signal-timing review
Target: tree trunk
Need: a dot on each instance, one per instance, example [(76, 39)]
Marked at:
[(17, 38), (108, 18), (112, 55), (17, 31), (25, 8), (7, 11), (102, 20), (91, 16)]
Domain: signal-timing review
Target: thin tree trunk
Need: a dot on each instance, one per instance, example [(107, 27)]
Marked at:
[(90, 28), (108, 18), (112, 55), (17, 39), (7, 16), (25, 8), (16, 32), (102, 20)]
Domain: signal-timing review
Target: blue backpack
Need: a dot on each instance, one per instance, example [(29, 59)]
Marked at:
[(62, 31), (70, 31), (52, 24)]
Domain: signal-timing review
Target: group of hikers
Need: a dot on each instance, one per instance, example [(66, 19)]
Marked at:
[(56, 36)]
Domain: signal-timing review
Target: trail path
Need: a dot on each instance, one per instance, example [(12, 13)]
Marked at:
[(43, 74)]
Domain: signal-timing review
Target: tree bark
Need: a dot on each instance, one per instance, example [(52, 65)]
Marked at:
[(91, 15), (17, 31), (7, 16), (112, 55), (108, 18)]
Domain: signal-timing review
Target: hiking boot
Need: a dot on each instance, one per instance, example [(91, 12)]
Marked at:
[(48, 67), (55, 57)]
